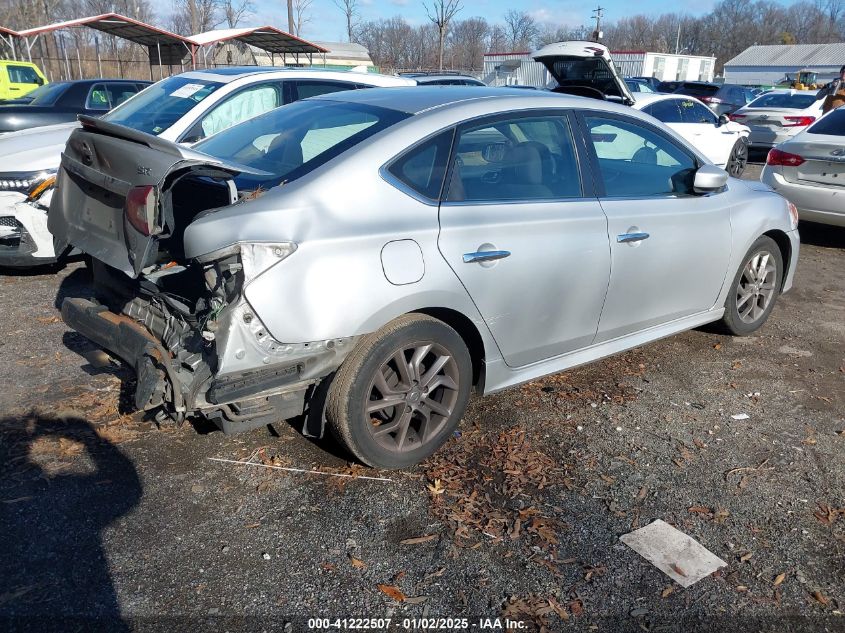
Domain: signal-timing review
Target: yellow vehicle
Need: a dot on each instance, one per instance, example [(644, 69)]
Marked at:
[(802, 80), (19, 78)]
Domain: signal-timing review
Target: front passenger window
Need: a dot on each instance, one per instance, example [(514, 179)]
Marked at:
[(637, 161)]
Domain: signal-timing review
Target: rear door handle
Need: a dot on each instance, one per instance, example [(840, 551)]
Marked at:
[(631, 237), (485, 256)]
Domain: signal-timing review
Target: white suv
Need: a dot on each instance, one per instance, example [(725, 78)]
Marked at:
[(184, 108)]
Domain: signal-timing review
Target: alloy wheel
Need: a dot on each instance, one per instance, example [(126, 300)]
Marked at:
[(412, 396), (738, 160), (756, 287)]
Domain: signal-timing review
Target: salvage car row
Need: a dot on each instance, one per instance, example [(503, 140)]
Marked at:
[(362, 259)]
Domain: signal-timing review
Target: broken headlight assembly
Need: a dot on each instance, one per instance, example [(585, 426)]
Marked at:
[(32, 183)]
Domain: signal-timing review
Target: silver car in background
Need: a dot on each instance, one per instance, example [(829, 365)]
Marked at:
[(809, 170), (367, 258), (778, 115)]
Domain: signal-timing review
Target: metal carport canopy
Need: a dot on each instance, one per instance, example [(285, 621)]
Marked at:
[(268, 38), (8, 36), (164, 47)]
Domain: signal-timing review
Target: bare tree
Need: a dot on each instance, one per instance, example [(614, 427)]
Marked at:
[(467, 43), (301, 15), (521, 28), (234, 12), (350, 12), (441, 12)]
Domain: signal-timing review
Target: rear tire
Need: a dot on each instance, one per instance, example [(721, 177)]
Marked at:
[(401, 392), (754, 289), (738, 159)]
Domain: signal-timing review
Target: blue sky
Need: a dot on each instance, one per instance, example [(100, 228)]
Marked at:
[(327, 22)]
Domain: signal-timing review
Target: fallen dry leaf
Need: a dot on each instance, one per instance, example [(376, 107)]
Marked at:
[(779, 579), (436, 488), (415, 599), (698, 510), (745, 557), (356, 562), (821, 598), (418, 539), (392, 592), (667, 592)]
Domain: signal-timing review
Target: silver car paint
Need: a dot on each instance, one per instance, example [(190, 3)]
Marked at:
[(816, 202), (343, 214)]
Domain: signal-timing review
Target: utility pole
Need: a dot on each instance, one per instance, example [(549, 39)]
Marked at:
[(290, 17), (598, 14), (678, 39)]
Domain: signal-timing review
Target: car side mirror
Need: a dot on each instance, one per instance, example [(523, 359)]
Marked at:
[(709, 179), (724, 119), (39, 81)]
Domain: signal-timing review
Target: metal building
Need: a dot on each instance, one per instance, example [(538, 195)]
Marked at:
[(768, 65), (664, 66)]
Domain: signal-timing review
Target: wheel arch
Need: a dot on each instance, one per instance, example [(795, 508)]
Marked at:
[(470, 334), (782, 240)]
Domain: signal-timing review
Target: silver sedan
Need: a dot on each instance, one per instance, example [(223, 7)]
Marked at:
[(368, 258), (809, 170)]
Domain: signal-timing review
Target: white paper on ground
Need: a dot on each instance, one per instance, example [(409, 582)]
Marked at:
[(681, 557)]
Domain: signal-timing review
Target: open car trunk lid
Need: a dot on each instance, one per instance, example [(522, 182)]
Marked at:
[(585, 69), (103, 163)]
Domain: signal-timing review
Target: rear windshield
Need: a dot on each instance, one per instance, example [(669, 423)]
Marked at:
[(832, 124), (47, 94), (289, 142), (162, 104), (784, 100), (697, 90)]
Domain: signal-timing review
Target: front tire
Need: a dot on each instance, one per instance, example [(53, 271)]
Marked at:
[(738, 159), (401, 392), (755, 288)]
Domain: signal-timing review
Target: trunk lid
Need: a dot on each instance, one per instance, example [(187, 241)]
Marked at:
[(577, 65), (103, 167), (824, 160), (772, 118)]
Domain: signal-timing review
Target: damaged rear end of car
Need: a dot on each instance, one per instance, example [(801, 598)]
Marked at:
[(181, 321)]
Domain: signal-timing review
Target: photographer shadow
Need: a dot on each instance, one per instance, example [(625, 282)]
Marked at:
[(61, 485)]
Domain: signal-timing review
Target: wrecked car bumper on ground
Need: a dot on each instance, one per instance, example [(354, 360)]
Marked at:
[(220, 363)]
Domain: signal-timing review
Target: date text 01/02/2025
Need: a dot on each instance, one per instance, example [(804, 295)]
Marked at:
[(416, 624)]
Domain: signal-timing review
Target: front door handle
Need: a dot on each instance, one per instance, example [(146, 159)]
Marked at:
[(631, 237), (485, 256)]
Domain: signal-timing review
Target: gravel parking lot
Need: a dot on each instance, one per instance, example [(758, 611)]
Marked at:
[(106, 516)]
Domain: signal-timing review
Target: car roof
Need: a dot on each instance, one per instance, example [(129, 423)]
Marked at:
[(643, 99), (234, 73), (422, 98)]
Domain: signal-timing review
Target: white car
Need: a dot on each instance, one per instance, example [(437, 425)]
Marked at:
[(723, 141), (777, 116), (184, 108)]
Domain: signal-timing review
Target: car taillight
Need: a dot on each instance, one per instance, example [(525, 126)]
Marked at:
[(140, 208), (778, 157), (737, 117), (710, 99), (798, 121)]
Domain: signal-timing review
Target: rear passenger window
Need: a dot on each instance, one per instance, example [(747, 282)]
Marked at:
[(526, 158), (637, 161), (118, 93), (305, 89), (666, 111), (423, 167)]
